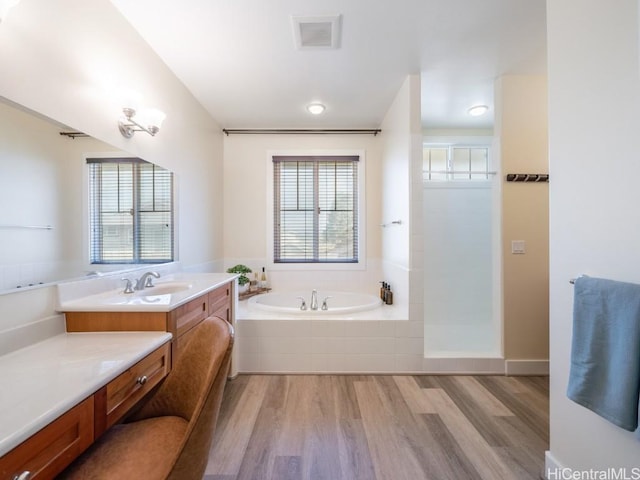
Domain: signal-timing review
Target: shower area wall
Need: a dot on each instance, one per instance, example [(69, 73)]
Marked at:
[(461, 312)]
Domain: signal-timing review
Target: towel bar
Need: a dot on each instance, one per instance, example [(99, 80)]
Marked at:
[(573, 280)]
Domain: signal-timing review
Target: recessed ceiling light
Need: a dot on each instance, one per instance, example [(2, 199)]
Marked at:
[(315, 108), (478, 110)]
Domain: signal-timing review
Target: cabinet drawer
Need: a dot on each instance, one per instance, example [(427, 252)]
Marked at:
[(49, 451), (115, 399), (190, 314), (219, 302)]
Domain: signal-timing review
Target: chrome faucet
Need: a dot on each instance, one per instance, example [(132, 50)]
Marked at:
[(324, 304), (128, 287), (314, 300), (303, 304), (146, 281)]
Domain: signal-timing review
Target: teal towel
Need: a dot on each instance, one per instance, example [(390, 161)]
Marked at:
[(605, 349)]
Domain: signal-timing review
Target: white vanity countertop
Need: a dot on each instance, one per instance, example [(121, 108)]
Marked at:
[(170, 292), (44, 380)]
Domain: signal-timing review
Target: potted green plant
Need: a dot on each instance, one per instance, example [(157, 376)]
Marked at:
[(243, 280)]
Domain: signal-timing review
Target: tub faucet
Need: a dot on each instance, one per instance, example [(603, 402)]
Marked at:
[(303, 304), (324, 304), (314, 300), (146, 281)]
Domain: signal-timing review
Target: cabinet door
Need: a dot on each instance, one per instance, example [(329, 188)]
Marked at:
[(49, 451), (115, 399)]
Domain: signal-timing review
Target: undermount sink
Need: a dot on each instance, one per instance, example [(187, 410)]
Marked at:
[(168, 293), (164, 289)]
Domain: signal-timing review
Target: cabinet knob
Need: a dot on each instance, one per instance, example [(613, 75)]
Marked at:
[(140, 381), (22, 476)]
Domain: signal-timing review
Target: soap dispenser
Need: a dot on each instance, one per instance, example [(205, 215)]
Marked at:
[(388, 297), (383, 290)]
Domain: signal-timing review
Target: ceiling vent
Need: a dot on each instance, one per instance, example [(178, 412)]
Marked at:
[(316, 32)]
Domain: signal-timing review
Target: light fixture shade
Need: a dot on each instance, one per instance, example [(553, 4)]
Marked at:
[(316, 108), (478, 110), (154, 117)]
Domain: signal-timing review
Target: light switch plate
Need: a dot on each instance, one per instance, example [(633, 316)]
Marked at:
[(517, 247)]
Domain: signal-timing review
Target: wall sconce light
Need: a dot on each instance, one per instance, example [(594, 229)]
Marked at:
[(148, 121)]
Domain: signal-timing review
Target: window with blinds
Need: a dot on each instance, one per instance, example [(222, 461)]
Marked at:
[(315, 209), (131, 211)]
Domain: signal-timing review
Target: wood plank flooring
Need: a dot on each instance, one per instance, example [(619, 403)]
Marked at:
[(333, 427)]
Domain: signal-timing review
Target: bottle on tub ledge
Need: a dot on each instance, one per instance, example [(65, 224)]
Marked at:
[(253, 284), (263, 279), (386, 295)]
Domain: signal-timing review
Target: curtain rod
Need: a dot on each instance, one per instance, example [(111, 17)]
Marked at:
[(301, 131), (73, 135)]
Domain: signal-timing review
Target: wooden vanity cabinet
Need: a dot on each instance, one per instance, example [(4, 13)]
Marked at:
[(52, 449), (115, 400), (49, 451), (179, 321), (219, 301)]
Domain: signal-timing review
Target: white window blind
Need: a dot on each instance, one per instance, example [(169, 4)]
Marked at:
[(315, 209), (131, 211)]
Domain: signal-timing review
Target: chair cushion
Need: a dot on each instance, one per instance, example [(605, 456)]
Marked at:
[(146, 449)]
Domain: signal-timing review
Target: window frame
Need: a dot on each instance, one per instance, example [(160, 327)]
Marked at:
[(450, 174), (87, 234), (360, 264)]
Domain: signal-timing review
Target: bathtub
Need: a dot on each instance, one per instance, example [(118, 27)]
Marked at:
[(357, 333), (338, 303)]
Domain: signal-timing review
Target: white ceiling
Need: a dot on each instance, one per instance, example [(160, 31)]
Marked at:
[(239, 59)]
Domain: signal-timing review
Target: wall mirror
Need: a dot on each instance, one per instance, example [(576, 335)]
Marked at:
[(44, 212)]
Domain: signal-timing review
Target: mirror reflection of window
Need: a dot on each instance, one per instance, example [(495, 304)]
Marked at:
[(131, 211)]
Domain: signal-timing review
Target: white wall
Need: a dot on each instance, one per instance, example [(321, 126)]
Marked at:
[(402, 196), (594, 95), (246, 226), (67, 59)]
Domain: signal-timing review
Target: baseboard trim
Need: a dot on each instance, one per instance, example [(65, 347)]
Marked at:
[(526, 367), (464, 366)]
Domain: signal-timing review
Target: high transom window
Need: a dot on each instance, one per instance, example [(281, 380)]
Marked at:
[(315, 209), (131, 211), (455, 163)]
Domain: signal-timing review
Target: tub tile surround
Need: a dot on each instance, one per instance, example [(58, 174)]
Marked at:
[(364, 278), (379, 340), (271, 343)]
